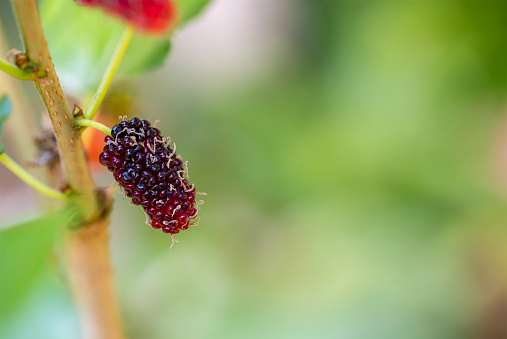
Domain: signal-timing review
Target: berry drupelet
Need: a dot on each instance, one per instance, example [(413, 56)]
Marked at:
[(149, 172)]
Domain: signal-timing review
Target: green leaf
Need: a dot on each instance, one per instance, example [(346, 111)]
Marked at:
[(189, 9), (5, 111), (82, 40), (26, 252), (153, 56)]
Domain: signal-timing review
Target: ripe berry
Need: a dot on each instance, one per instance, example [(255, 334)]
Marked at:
[(148, 171)]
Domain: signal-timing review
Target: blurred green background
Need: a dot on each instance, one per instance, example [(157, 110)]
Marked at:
[(355, 159)]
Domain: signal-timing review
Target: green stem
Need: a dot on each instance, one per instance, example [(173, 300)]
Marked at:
[(30, 179), (109, 74), (94, 124), (11, 69)]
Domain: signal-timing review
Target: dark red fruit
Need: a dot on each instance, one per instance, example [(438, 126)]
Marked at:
[(149, 172), (153, 16)]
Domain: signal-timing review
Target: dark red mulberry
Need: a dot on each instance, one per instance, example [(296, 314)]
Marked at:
[(148, 171)]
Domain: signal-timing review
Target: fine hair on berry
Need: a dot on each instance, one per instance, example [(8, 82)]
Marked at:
[(149, 172)]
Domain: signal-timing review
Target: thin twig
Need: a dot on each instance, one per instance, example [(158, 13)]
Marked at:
[(16, 72), (29, 179)]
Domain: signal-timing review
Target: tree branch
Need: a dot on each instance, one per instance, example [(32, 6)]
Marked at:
[(87, 250), (90, 277), (73, 158)]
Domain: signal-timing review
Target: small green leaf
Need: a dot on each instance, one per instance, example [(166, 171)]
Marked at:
[(5, 111), (153, 56), (189, 9)]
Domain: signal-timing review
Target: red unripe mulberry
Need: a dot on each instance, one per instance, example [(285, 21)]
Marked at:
[(152, 16)]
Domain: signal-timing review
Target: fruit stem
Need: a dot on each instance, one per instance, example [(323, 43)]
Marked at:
[(109, 73), (11, 69), (93, 124), (29, 179)]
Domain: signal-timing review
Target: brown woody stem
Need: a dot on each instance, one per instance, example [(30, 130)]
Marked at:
[(87, 250), (90, 276)]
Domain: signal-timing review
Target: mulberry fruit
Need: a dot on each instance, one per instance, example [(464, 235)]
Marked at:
[(148, 171)]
